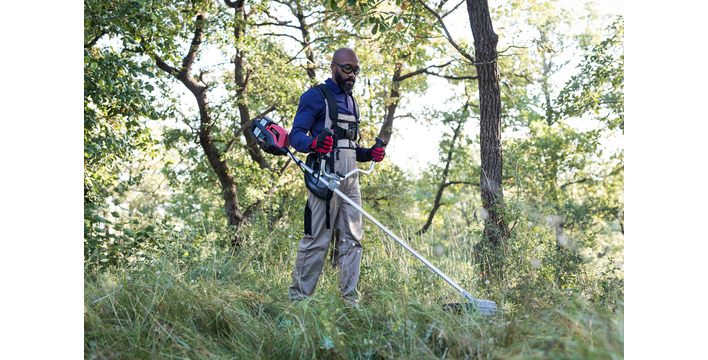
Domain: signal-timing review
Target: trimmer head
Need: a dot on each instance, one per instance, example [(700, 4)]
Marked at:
[(486, 307)]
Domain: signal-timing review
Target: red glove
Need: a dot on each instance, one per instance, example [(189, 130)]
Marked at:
[(376, 154), (323, 143)]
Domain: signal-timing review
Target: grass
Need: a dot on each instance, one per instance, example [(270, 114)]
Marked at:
[(235, 307)]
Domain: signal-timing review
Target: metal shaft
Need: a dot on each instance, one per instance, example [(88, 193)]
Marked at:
[(408, 247), (333, 184)]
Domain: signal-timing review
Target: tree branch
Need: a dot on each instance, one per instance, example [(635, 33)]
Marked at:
[(282, 23), (201, 77), (93, 42), (443, 183), (317, 12), (460, 182), (449, 37), (453, 9), (266, 112), (451, 77), (286, 4), (613, 172), (234, 4), (285, 35), (164, 66), (231, 142), (420, 71), (196, 42), (405, 116), (245, 126)]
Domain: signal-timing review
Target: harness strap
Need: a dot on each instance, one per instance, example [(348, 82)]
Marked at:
[(329, 97), (327, 213), (342, 139)]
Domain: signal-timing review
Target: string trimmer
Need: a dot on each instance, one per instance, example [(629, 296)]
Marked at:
[(273, 139)]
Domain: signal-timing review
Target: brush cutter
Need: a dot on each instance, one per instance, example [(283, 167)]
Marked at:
[(273, 139)]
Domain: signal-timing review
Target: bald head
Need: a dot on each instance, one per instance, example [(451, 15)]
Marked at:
[(345, 54), (344, 60)]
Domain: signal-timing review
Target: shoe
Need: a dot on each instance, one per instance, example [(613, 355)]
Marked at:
[(353, 303)]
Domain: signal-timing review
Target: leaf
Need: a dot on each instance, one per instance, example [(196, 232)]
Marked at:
[(101, 219), (115, 214), (128, 232), (375, 29)]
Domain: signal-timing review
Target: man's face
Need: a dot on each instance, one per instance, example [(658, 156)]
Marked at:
[(344, 81), (348, 61)]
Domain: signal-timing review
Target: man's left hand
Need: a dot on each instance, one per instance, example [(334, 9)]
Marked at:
[(376, 154)]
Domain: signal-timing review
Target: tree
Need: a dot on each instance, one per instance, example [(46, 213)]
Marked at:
[(452, 156), (485, 46), (598, 86), (116, 105), (486, 65)]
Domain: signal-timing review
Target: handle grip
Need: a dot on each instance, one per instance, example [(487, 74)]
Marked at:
[(328, 132), (379, 143)]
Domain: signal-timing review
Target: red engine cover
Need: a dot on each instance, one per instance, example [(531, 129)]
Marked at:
[(280, 135)]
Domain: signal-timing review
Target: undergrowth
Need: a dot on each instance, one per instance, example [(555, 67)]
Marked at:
[(234, 305)]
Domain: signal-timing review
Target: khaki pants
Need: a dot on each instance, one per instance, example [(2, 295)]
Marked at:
[(312, 253)]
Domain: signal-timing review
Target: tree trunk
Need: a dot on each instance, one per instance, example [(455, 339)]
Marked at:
[(485, 45), (231, 206), (241, 77), (306, 43), (394, 97)]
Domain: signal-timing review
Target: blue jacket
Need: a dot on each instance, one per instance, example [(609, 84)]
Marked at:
[(310, 117)]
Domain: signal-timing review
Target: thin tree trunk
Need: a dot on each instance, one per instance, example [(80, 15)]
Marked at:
[(241, 77), (309, 54), (228, 184), (485, 44), (394, 97), (443, 182)]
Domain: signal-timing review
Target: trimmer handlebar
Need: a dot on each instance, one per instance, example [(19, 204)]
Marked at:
[(379, 144)]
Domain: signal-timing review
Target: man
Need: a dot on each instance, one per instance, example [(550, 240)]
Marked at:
[(313, 116)]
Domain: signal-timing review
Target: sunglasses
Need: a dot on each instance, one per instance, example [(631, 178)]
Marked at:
[(348, 69)]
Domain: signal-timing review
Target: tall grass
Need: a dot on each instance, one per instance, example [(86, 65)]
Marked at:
[(235, 306)]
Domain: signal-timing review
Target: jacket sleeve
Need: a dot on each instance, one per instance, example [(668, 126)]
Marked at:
[(308, 111), (361, 154)]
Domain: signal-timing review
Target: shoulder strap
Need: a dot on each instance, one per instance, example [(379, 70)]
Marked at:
[(356, 108), (328, 95)]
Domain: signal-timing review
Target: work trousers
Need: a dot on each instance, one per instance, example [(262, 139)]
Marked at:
[(344, 218)]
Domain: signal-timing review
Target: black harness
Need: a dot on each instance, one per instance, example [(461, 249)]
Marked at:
[(343, 128)]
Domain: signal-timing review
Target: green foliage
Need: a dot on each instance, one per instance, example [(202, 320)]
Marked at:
[(598, 86), (114, 102)]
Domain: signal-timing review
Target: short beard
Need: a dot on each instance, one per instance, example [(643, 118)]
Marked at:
[(341, 81)]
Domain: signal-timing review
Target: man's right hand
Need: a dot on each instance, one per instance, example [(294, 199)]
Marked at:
[(323, 143)]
